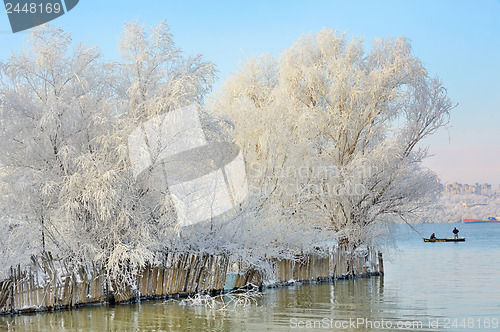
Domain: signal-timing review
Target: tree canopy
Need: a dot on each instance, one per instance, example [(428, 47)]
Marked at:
[(330, 132), (331, 128)]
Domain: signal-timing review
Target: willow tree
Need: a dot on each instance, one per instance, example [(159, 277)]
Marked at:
[(331, 132), (65, 118), (53, 110)]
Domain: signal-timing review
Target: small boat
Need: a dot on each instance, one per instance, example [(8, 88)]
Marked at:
[(460, 239)]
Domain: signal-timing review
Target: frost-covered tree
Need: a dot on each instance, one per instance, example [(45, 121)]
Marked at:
[(53, 111), (65, 118), (456, 207), (330, 132)]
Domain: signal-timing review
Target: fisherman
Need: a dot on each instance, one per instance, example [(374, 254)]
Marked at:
[(433, 236), (455, 232)]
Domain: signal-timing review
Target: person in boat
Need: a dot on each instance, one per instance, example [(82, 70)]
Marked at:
[(455, 232), (433, 236)]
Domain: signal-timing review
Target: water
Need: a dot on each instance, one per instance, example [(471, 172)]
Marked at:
[(427, 287)]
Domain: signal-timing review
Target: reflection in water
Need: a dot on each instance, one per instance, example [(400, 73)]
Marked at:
[(425, 283), (280, 309)]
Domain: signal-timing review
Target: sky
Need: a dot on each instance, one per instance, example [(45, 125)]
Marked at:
[(458, 40)]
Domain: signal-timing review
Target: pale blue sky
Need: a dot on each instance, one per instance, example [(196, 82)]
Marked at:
[(457, 40)]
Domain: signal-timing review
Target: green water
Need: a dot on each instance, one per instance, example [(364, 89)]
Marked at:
[(427, 287)]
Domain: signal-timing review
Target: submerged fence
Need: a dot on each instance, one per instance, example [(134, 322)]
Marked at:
[(50, 284)]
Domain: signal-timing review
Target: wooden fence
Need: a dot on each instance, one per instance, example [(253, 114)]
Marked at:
[(341, 262), (50, 284)]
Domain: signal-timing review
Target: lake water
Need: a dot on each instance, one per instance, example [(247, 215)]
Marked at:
[(427, 287)]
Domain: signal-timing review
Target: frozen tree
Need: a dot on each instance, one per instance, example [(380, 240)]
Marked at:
[(53, 110), (65, 119), (331, 131), (456, 207)]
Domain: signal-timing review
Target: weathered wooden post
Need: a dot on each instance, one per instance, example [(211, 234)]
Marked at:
[(380, 263)]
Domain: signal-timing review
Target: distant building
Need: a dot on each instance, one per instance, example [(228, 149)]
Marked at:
[(458, 188)]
